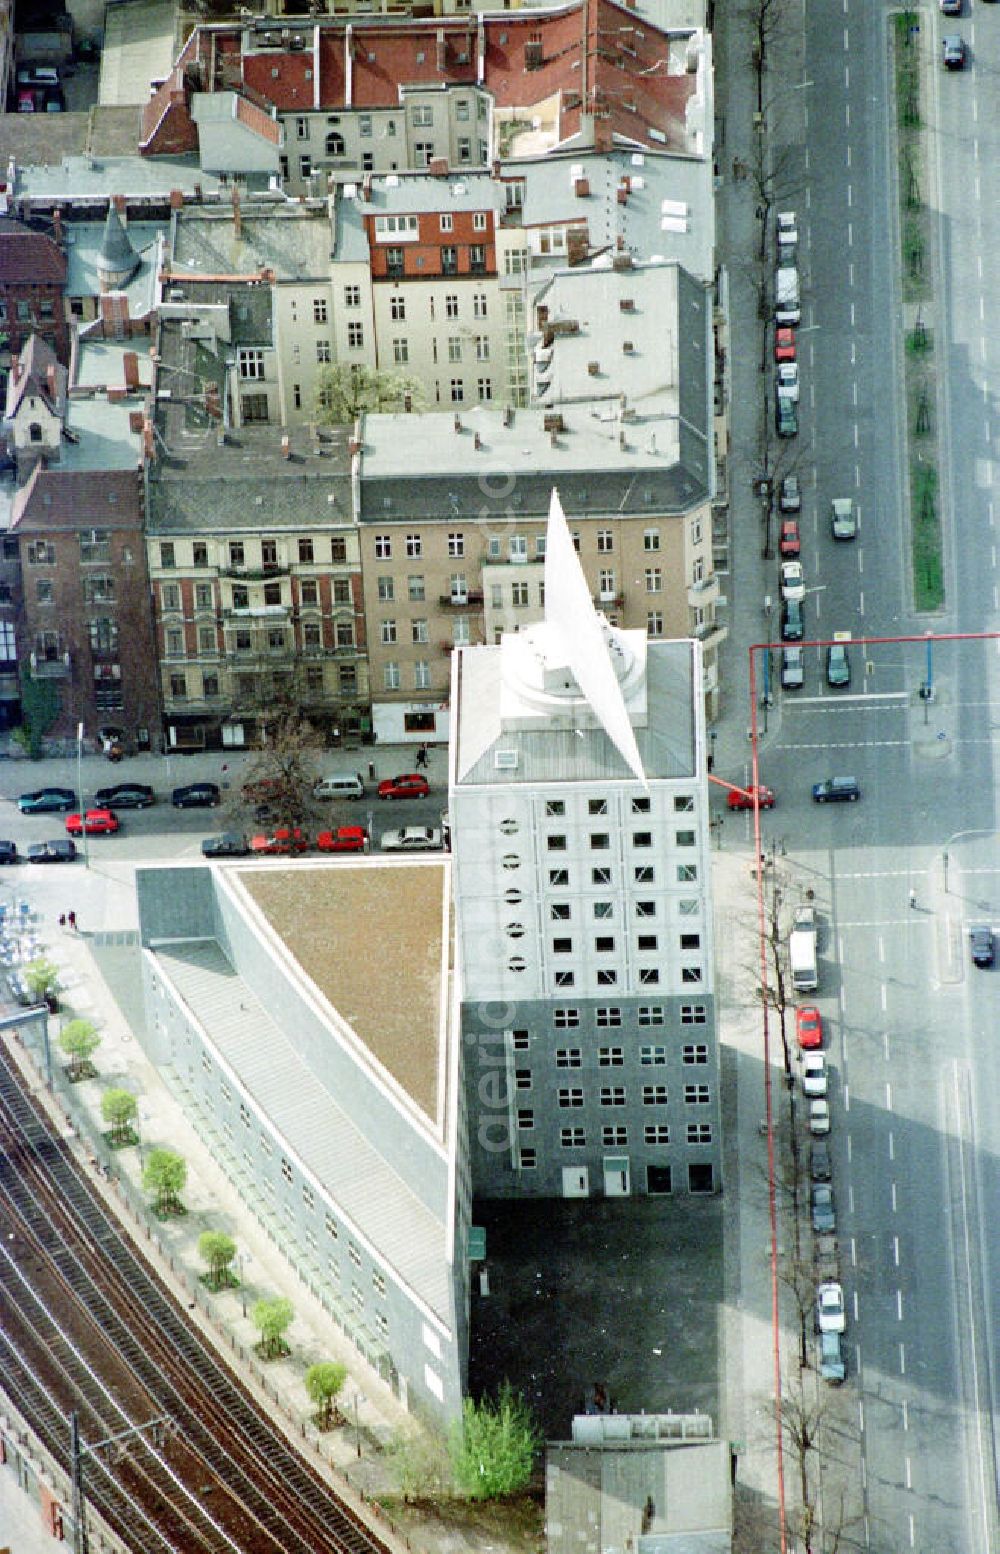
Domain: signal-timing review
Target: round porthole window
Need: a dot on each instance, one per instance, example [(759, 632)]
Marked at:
[(515, 930), (509, 827), (511, 861), (516, 963), (513, 897)]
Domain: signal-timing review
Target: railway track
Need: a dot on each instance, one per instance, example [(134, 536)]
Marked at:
[(195, 1466)]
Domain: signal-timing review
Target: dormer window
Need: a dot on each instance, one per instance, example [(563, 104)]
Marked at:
[(35, 432)]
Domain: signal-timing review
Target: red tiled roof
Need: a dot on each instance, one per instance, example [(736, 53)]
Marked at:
[(30, 258), (620, 75)]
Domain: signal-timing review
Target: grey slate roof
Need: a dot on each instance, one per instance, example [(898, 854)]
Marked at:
[(318, 1132), (117, 252), (295, 242)]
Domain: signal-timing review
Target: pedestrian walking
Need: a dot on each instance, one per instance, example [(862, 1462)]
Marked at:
[(71, 919), (62, 919), (913, 898), (421, 760)]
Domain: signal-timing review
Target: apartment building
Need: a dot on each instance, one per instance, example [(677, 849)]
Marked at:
[(580, 838), (32, 286), (352, 94), (278, 266), (453, 508), (75, 615), (254, 562)]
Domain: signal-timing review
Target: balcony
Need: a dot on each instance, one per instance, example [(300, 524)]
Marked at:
[(461, 601), (609, 601), (50, 668), (262, 574), (705, 592)]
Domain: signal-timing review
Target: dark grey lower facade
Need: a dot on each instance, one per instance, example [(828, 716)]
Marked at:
[(590, 1098)]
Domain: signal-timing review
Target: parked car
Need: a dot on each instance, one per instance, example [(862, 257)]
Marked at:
[(832, 1366), (831, 1313), (196, 795), (230, 844), (409, 786), (789, 540), (814, 1075), (951, 7), (411, 839), (281, 842), (981, 941), (953, 52), (8, 852), (838, 666), (819, 1116), (792, 669), (786, 421), (790, 495), (125, 795), (836, 790), (47, 800), (96, 822), (346, 839), (784, 344), (786, 380), (820, 1165), (824, 1215), (792, 624), (808, 1028), (743, 798), (843, 518), (60, 850), (793, 581)]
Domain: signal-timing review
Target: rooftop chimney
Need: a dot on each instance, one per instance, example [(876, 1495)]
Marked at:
[(237, 214), (50, 379), (57, 231), (130, 363), (286, 446), (478, 443), (458, 423)]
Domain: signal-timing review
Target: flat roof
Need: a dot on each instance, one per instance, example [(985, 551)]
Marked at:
[(326, 916), (668, 213), (106, 440), (319, 1131), (86, 178), (417, 192), (295, 243), (552, 752), (619, 316), (101, 363)]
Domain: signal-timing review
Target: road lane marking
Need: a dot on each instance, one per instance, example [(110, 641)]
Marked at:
[(847, 1097), (855, 1297), (909, 1475), (913, 1532), (902, 1359), (899, 1305), (906, 1415), (850, 198), (893, 1192), (850, 1190), (848, 147), (885, 1005), (892, 1145), (850, 244), (895, 1252)]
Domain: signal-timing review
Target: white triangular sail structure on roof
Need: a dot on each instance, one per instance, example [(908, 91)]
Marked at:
[(570, 615)]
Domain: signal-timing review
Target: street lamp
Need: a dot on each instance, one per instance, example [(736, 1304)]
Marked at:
[(79, 795)]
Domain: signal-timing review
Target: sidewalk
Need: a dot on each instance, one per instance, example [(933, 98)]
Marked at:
[(749, 1392)]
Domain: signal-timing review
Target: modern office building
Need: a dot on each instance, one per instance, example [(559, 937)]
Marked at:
[(580, 833), (328, 1095)]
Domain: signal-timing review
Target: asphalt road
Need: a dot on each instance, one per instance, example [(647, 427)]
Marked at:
[(909, 1444)]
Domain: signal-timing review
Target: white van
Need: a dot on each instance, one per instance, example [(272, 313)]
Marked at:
[(345, 785)]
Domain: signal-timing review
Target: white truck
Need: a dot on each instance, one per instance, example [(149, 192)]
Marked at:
[(786, 295), (802, 950)]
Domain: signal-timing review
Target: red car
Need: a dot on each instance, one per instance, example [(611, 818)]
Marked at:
[(789, 544), (410, 786), (808, 1028), (784, 344), (742, 798), (97, 822), (284, 840), (346, 839)]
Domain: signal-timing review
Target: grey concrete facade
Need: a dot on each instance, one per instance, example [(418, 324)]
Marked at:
[(358, 1193)]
